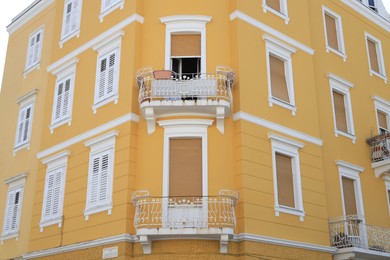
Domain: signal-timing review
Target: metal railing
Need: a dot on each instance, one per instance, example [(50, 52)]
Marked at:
[(197, 86), (380, 147), (185, 212), (352, 231)]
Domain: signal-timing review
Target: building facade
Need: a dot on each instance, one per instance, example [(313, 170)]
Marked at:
[(253, 129)]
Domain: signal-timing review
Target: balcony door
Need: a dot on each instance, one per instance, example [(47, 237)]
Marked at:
[(186, 55)]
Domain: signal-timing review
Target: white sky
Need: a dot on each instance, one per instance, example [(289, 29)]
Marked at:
[(14, 7)]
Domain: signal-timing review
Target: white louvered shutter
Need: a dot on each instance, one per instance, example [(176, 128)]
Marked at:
[(68, 17), (62, 101), (53, 194), (13, 211), (94, 181), (37, 48), (30, 52), (23, 128), (57, 190), (107, 75), (104, 177), (106, 4), (74, 17)]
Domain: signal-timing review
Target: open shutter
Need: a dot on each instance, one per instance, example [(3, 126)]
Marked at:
[(58, 101), (94, 181), (27, 121), (331, 31), (278, 79), (22, 115), (10, 209), (66, 104), (102, 78), (15, 211)]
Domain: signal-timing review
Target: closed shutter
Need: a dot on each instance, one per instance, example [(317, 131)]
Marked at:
[(23, 128), (331, 31), (68, 17), (30, 52), (382, 120), (74, 17), (53, 194), (339, 108), (107, 4), (285, 180), (107, 75), (373, 55), (13, 211), (62, 101), (349, 196), (274, 4), (185, 45), (278, 79), (185, 167), (37, 48)]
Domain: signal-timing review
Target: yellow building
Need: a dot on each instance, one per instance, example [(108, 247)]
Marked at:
[(253, 129)]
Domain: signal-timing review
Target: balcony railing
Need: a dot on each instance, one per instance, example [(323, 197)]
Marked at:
[(351, 231), (380, 147)]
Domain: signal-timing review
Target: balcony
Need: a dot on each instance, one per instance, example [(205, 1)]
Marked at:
[(380, 153), (166, 93), (355, 239), (211, 217)]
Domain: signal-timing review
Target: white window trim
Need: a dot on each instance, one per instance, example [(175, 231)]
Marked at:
[(68, 69), (76, 33), (186, 24), (283, 52), (108, 44), (379, 53), (386, 178), (14, 182), (185, 128), (383, 106), (352, 172), (120, 4), (339, 30), (59, 160), (97, 145), (283, 10), (26, 100), (289, 148), (38, 64), (342, 86)]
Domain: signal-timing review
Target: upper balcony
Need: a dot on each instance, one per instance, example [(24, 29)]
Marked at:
[(166, 93), (355, 239), (380, 153), (209, 217)]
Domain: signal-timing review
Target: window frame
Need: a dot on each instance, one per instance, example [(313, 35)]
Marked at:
[(383, 106), (105, 11), (386, 179), (290, 148), (30, 51), (56, 162), (77, 15), (339, 31), (283, 52), (380, 57), (98, 145), (283, 10), (342, 87)]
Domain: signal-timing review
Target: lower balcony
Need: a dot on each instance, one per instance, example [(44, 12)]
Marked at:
[(354, 239), (211, 217), (380, 153), (166, 93)]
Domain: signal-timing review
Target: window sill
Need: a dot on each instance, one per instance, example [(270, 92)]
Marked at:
[(49, 222), (114, 98), (266, 9), (374, 73), (60, 123), (20, 147), (9, 236), (90, 211), (348, 135), (337, 52), (120, 5), (68, 37), (292, 211), (31, 68), (283, 104)]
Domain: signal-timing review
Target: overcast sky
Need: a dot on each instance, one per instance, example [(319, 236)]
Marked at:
[(14, 7)]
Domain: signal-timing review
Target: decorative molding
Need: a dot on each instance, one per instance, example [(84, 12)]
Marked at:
[(88, 134), (276, 127), (186, 18), (64, 67), (246, 18), (21, 177), (28, 97), (185, 123), (336, 79), (107, 137), (56, 157), (285, 140)]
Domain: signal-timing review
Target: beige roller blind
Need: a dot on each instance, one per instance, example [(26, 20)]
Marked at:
[(382, 120), (388, 194), (349, 196), (274, 4), (339, 108), (331, 31), (185, 45), (278, 79), (185, 167), (373, 55), (285, 180)]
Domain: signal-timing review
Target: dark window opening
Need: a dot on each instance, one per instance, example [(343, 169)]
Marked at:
[(186, 68)]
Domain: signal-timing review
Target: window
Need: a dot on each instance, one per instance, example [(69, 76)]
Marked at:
[(53, 197), (100, 174), (108, 6), (107, 71), (186, 54), (13, 207), (375, 57), (25, 117), (387, 186), (71, 20), (382, 108), (287, 177), (63, 96), (342, 108), (280, 76), (34, 50), (333, 32), (277, 7), (372, 5)]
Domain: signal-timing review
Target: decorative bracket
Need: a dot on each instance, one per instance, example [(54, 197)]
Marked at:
[(150, 120), (220, 119)]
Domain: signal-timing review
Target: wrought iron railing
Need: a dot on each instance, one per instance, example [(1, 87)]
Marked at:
[(185, 212), (165, 85), (380, 147), (352, 231)]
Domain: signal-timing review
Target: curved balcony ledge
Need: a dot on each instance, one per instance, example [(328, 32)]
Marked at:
[(165, 93), (380, 153)]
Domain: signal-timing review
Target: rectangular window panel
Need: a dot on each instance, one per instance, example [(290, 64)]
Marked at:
[(62, 100), (340, 113), (34, 49), (71, 17), (285, 180), (349, 196), (373, 55), (13, 210), (24, 125), (187, 45), (331, 31), (382, 120), (107, 75), (274, 4), (107, 4), (53, 195), (278, 79)]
